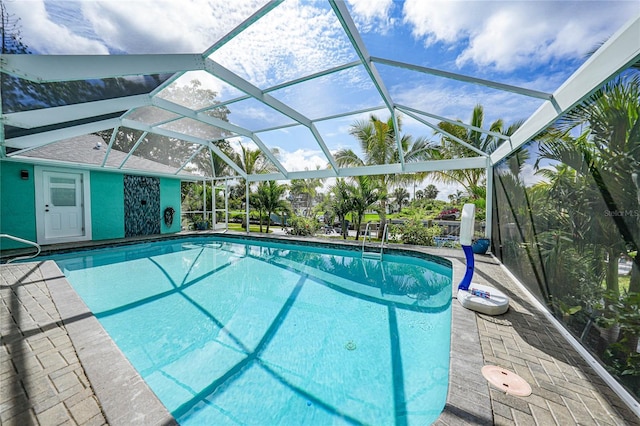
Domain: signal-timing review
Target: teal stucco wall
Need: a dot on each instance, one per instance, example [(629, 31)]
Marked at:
[(170, 197), (17, 204), (107, 205)]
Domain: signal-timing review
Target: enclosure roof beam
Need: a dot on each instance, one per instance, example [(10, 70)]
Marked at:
[(455, 122), (267, 153), (53, 68), (53, 115), (185, 112), (614, 56), (306, 174), (84, 166), (451, 164), (239, 83), (316, 120), (112, 139), (44, 138), (293, 82), (263, 177), (417, 166), (410, 167), (216, 122), (133, 149), (242, 26), (447, 134), (349, 27), (465, 78), (180, 136), (223, 40), (186, 163)]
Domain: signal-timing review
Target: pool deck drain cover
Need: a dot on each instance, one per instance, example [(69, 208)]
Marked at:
[(506, 380)]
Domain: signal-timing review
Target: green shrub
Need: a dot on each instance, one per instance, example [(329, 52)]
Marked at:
[(415, 232), (303, 226)]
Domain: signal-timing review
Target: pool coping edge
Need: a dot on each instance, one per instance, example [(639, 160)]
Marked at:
[(124, 396)]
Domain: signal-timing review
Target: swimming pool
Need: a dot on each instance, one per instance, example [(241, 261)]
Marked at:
[(243, 332)]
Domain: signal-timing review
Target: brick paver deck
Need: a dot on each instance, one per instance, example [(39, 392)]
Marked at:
[(565, 389), (42, 380)]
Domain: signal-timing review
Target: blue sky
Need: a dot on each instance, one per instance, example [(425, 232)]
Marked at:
[(531, 44)]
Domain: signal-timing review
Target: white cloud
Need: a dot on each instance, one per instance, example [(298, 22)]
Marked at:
[(446, 21), (165, 26), (293, 40), (133, 26), (302, 159), (529, 176), (372, 15), (507, 35), (44, 36)]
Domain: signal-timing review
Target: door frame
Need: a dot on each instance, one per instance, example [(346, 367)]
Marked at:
[(40, 209)]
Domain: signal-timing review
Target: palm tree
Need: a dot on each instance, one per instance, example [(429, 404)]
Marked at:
[(565, 206), (431, 192), (400, 195), (456, 197), (341, 203), (220, 167), (365, 194), (471, 179), (608, 150), (252, 161), (377, 140), (269, 200), (308, 187)]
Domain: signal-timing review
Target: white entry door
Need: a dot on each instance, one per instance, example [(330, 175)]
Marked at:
[(61, 209)]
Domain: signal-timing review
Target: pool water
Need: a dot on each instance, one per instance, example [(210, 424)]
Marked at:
[(229, 332)]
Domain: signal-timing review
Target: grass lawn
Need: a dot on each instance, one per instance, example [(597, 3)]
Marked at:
[(373, 217), (252, 228)]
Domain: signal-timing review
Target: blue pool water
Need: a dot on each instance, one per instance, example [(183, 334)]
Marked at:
[(237, 332)]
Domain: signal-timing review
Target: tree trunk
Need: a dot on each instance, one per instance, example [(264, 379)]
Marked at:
[(611, 334), (383, 216), (268, 221), (634, 284), (613, 284), (343, 224)]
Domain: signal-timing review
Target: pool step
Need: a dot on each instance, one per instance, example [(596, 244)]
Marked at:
[(372, 255)]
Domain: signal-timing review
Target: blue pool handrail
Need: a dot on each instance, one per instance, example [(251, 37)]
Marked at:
[(480, 298), (22, 240)]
